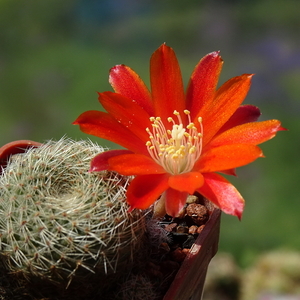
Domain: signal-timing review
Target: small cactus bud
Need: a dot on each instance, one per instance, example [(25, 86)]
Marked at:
[(58, 222)]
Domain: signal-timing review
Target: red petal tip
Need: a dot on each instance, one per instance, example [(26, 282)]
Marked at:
[(214, 53), (238, 212), (92, 169), (282, 129), (250, 75), (239, 215), (115, 68)]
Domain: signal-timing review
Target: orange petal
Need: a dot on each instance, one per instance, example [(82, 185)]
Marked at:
[(244, 114), (223, 194), (227, 157), (186, 182), (100, 161), (134, 164), (166, 83), (103, 125), (127, 112), (202, 85), (174, 201), (227, 100), (127, 83), (144, 190), (249, 133)]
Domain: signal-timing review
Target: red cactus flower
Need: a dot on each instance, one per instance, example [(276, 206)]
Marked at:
[(178, 142)]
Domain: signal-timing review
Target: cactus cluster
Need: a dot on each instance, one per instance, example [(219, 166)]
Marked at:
[(275, 274), (58, 222)]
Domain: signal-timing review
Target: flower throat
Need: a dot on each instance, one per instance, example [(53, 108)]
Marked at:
[(178, 149)]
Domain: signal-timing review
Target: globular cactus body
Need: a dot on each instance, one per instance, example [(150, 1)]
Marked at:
[(59, 222)]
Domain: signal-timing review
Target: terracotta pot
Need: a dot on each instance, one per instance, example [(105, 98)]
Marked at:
[(189, 281)]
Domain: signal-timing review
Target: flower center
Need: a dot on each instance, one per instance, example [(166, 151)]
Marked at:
[(178, 149)]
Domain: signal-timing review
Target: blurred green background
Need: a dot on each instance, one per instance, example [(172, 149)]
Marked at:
[(55, 55)]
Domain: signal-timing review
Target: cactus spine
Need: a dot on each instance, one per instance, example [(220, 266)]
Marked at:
[(59, 222)]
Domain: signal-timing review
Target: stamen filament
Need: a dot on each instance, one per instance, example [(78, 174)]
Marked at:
[(178, 149)]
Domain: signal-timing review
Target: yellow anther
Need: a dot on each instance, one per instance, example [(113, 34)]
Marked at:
[(170, 119), (170, 150), (152, 119), (192, 150), (176, 113), (191, 126)]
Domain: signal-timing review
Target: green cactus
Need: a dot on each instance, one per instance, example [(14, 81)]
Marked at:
[(274, 273), (61, 224)]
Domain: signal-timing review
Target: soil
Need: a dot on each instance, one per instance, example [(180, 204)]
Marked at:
[(182, 232)]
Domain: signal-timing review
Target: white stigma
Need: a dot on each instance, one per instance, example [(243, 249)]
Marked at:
[(178, 149)]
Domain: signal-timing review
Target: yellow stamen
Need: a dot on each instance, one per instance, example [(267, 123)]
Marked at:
[(178, 149)]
